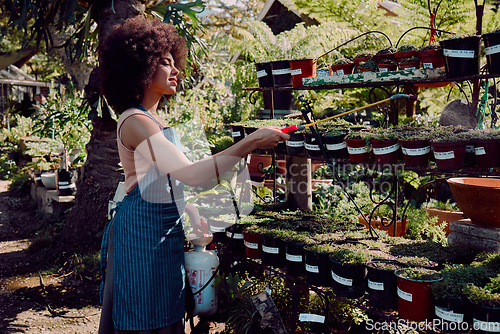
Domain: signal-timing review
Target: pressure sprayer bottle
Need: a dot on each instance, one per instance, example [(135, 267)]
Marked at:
[(200, 266)]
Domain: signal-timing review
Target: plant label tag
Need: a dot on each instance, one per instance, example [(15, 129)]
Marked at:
[(479, 151), (251, 245), (303, 317), (492, 49), (336, 147), (291, 143), (261, 73), (322, 73), (341, 280), (297, 71), (416, 151), (237, 236), (427, 65), (385, 150), (293, 258), (340, 72), (444, 155), (358, 150), (411, 68), (449, 315), (312, 147), (270, 250), (379, 286), (236, 134), (312, 269), (383, 69), (405, 295), (491, 327), (217, 229), (281, 71), (469, 149), (459, 53), (63, 183)]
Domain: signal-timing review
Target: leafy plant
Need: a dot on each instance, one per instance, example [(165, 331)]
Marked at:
[(350, 253), (489, 295), (420, 274)]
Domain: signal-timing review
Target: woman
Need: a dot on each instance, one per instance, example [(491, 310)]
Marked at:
[(144, 285)]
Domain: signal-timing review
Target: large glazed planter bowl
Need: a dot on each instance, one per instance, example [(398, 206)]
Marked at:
[(478, 198)]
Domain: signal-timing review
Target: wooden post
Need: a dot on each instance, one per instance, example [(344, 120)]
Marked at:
[(410, 104), (298, 182)]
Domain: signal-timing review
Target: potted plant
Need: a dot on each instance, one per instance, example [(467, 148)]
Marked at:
[(382, 284), (486, 305), (296, 145), (386, 60), (410, 63), (491, 42), (415, 145), (342, 66), (405, 51), (431, 56), (414, 292), (362, 57), (317, 263), (487, 147), (446, 212), (348, 271), (449, 144), (358, 146), (385, 145), (273, 248), (294, 252), (367, 66), (461, 55), (334, 142)]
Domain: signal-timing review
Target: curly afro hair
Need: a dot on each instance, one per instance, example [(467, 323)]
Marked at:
[(129, 56)]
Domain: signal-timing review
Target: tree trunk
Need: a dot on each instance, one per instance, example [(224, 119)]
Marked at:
[(101, 173)]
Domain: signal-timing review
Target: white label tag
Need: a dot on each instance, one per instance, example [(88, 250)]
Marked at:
[(38, 178), (469, 148), (238, 236), (379, 286), (385, 150), (340, 72), (416, 151), (492, 327), (492, 49), (459, 53), (358, 150), (449, 315), (479, 151), (251, 245), (261, 73), (270, 250), (217, 229), (236, 134), (444, 155), (293, 258), (335, 147), (311, 317), (322, 73), (69, 186), (427, 65), (341, 280), (410, 68), (294, 143), (63, 183), (383, 69), (312, 147), (281, 71), (312, 269), (296, 71), (404, 295)]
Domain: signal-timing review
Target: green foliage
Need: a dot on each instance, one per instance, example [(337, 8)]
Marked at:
[(420, 274), (423, 227), (350, 253), (489, 295)]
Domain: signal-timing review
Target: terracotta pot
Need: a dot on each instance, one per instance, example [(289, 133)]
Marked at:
[(342, 69), (400, 55), (360, 60), (387, 67), (449, 155), (256, 165), (478, 198), (415, 298), (409, 65), (487, 152), (401, 226), (416, 152), (302, 68), (431, 58), (445, 216), (358, 149), (385, 151)]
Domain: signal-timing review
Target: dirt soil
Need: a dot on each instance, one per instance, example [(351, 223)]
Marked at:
[(34, 302)]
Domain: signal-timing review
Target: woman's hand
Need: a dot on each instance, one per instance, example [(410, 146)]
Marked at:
[(267, 137), (199, 224)]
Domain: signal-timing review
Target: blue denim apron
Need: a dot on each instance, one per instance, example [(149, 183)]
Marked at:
[(146, 253)]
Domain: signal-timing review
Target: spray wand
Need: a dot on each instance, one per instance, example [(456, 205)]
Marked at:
[(294, 128)]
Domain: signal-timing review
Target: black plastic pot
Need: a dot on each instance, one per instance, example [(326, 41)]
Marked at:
[(294, 258), (273, 251), (317, 267), (312, 145), (234, 238), (461, 56), (282, 76), (336, 146), (492, 50), (264, 74), (66, 182), (486, 319), (487, 152), (454, 313), (295, 145), (237, 132), (348, 279), (283, 103), (218, 229), (382, 286), (37, 178)]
